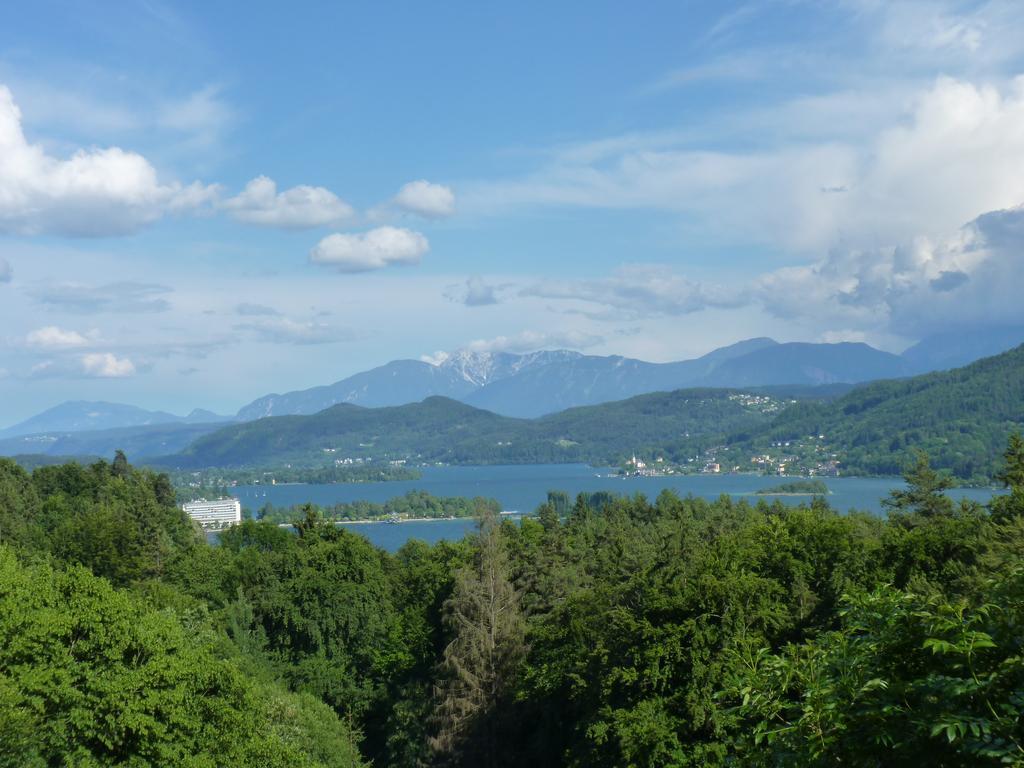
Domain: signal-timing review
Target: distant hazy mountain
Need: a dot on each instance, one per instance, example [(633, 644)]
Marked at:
[(546, 382), (956, 348), (139, 442), (590, 380), (404, 381), (800, 363), (86, 416), (962, 417)]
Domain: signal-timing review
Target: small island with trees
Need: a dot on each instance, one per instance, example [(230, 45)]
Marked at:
[(414, 505), (796, 488)]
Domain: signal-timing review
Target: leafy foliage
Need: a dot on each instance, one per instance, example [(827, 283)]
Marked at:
[(606, 632), (90, 676)]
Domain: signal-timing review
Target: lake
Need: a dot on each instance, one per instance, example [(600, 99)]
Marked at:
[(522, 488)]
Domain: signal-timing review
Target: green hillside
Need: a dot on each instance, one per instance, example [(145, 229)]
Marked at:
[(961, 418), (440, 429)]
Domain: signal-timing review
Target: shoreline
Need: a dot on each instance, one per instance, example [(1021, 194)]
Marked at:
[(786, 493), (503, 513), (376, 521)]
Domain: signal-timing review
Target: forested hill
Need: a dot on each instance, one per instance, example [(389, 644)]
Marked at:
[(440, 429), (961, 418)]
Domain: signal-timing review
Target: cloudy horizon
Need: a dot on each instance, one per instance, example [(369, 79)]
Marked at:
[(210, 226)]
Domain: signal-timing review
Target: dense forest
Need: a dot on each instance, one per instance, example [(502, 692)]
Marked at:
[(603, 631), (961, 418), (413, 505)]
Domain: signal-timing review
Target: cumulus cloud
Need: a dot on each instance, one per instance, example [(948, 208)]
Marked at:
[(367, 251), (126, 297), (53, 337), (474, 293), (300, 207), (106, 365), (434, 201), (530, 341), (285, 330), (6, 273), (942, 153), (923, 286), (634, 291), (95, 192)]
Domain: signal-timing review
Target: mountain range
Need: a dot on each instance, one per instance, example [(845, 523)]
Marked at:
[(85, 415), (962, 417), (539, 383), (544, 382), (139, 442)]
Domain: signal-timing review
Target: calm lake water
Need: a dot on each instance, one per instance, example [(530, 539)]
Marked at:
[(523, 487)]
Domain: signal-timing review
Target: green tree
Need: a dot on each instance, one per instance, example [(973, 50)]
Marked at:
[(924, 496), (120, 466), (906, 681), (1012, 478), (90, 676), (480, 661)]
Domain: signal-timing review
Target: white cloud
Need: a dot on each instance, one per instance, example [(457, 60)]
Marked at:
[(285, 330), (950, 153), (529, 341), (106, 365), (52, 337), (431, 200), (475, 292), (300, 207), (95, 192), (923, 286), (127, 297), (639, 290), (6, 273), (375, 249)]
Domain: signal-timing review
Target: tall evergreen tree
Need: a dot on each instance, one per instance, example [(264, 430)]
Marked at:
[(925, 491), (1012, 477), (478, 666), (120, 466)]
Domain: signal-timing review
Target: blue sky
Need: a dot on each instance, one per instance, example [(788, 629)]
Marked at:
[(199, 206)]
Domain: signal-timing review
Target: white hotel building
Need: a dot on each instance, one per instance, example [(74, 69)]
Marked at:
[(216, 514)]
